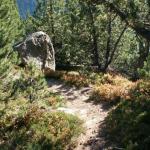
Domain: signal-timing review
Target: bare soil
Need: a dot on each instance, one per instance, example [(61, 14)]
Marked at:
[(93, 115)]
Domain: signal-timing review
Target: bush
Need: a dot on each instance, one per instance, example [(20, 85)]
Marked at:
[(72, 78), (28, 119), (5, 80), (96, 78), (112, 88), (128, 124), (145, 71), (31, 84), (141, 90), (106, 92), (37, 128), (75, 80)]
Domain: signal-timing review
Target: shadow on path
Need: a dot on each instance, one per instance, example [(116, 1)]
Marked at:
[(93, 114)]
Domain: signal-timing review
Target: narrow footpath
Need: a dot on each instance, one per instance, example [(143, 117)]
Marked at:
[(92, 115)]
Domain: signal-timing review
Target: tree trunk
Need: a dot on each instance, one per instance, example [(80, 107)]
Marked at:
[(144, 48), (52, 23), (143, 53), (110, 54), (108, 48), (95, 41)]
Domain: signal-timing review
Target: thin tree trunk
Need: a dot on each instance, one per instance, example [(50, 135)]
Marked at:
[(52, 23), (109, 31), (95, 41), (116, 45), (111, 54), (143, 54)]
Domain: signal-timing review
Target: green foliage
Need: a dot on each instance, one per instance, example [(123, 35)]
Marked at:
[(145, 71), (39, 129), (127, 56), (34, 126), (130, 120), (11, 27), (31, 84), (6, 82), (78, 28), (63, 22), (26, 119)]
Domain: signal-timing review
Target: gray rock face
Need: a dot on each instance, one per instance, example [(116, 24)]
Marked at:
[(37, 48)]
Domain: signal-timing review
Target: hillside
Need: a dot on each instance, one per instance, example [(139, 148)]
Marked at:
[(74, 75)]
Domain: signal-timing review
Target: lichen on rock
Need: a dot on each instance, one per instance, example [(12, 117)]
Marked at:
[(37, 48)]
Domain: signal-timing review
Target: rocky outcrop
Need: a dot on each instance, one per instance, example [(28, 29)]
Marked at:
[(37, 48)]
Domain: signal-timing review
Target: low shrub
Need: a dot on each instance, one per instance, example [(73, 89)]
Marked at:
[(106, 92), (95, 78), (128, 124), (56, 74), (112, 89), (145, 71), (141, 90), (82, 79), (28, 118), (31, 85), (36, 128), (75, 80), (72, 78)]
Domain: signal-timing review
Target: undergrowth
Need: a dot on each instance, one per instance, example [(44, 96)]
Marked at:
[(28, 115), (71, 78), (112, 89), (35, 128), (79, 78), (128, 124)]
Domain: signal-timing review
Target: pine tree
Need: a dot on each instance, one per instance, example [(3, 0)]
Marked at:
[(28, 84), (10, 31), (11, 27)]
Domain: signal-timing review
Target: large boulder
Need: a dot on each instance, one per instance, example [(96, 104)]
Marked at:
[(37, 48)]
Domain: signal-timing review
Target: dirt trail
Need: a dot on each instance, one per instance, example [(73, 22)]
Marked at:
[(92, 115)]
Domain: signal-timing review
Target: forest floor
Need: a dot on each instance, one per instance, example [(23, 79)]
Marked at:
[(93, 115)]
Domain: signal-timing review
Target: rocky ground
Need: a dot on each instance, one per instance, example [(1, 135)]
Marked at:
[(93, 115)]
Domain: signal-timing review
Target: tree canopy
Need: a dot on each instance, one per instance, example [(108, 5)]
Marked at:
[(135, 13)]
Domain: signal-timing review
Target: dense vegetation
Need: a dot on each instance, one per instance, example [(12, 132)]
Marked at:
[(88, 33), (109, 43), (26, 117)]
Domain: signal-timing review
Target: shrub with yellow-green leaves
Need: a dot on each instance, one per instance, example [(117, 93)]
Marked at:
[(29, 119), (141, 90), (37, 128), (128, 124)]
